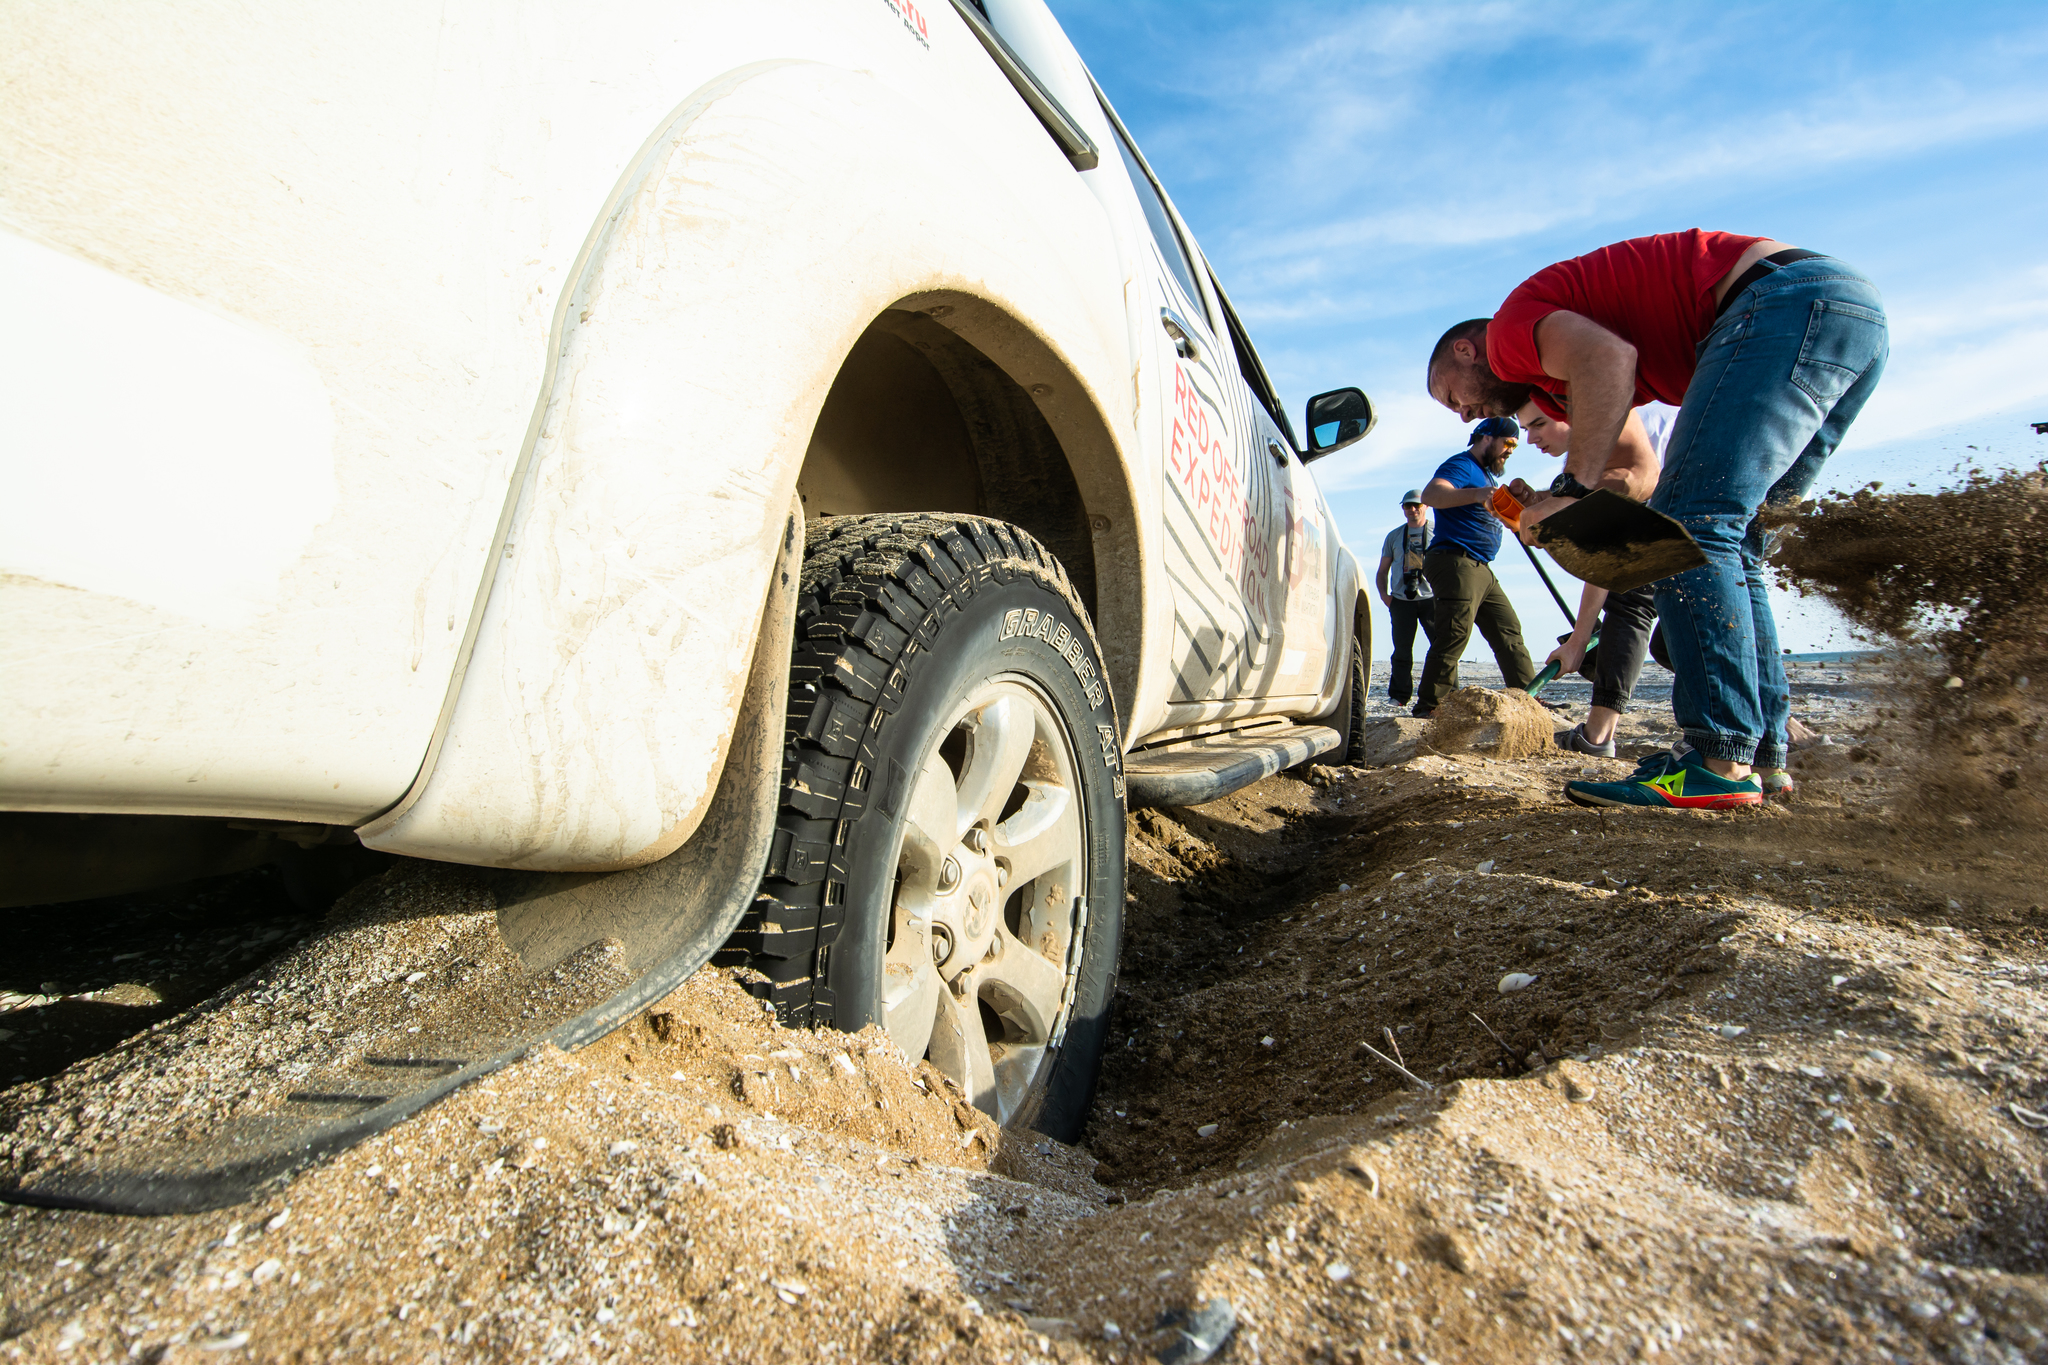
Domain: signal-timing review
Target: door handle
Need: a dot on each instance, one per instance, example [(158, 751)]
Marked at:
[(1276, 450), (1184, 343)]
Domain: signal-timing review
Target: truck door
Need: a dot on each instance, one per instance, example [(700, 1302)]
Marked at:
[(1308, 609), (1225, 518)]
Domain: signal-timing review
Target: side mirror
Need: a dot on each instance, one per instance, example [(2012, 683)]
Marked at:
[(1335, 420)]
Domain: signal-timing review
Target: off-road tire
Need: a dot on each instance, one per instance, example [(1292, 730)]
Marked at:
[(1349, 715), (893, 612)]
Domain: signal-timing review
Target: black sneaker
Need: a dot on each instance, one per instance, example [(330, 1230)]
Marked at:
[(1575, 740)]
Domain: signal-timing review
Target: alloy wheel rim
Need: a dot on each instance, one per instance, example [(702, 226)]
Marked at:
[(984, 915)]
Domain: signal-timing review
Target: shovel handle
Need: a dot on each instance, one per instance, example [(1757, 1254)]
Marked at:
[(1555, 667)]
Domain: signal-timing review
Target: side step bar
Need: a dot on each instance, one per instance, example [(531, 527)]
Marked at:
[(1206, 769)]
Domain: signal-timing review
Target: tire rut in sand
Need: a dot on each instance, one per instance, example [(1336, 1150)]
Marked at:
[(1258, 966)]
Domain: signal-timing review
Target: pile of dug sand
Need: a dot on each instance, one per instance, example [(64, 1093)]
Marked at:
[(1505, 724), (1959, 578)]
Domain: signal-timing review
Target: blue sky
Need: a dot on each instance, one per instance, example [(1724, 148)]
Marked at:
[(1361, 176)]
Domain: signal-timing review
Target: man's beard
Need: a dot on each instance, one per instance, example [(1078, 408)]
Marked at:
[(1495, 462), (1496, 395)]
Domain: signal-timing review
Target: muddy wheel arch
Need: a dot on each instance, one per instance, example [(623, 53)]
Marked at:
[(569, 741)]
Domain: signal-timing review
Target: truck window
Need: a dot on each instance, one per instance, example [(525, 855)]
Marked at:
[(1163, 231), (1252, 368)]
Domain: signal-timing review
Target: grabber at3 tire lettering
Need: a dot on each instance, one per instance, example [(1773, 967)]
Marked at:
[(949, 853)]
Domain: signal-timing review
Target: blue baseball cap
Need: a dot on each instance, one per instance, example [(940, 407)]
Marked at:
[(1496, 426)]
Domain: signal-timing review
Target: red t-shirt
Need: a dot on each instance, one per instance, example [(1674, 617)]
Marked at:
[(1656, 293)]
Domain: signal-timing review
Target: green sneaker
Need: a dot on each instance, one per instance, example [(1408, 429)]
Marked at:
[(1666, 782), (1660, 764)]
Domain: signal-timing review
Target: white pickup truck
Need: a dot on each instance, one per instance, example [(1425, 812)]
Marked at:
[(775, 476)]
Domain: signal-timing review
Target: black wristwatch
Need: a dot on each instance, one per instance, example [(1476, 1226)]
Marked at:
[(1565, 486)]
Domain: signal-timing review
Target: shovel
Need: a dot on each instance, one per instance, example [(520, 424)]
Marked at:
[(1617, 543)]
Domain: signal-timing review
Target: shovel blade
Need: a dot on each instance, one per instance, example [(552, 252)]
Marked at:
[(1617, 543)]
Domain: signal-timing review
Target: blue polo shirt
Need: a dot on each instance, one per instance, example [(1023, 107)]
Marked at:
[(1475, 528)]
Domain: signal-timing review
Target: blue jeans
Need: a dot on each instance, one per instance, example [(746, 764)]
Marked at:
[(1780, 377)]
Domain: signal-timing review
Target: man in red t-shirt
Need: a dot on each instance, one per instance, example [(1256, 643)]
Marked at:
[(1769, 352)]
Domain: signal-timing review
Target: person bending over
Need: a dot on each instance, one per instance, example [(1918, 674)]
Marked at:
[(1624, 619), (1409, 601), (1459, 566), (1769, 351)]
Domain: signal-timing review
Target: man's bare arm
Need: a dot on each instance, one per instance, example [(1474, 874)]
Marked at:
[(1573, 648), (1632, 466), (1439, 493), (1632, 471), (1601, 369), (1380, 579)]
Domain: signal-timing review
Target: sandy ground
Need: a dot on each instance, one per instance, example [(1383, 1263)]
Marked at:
[(1773, 1090)]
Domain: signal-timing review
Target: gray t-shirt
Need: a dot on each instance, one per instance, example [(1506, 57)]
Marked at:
[(1404, 579)]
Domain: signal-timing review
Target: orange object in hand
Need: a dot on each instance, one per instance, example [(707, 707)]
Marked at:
[(1507, 509)]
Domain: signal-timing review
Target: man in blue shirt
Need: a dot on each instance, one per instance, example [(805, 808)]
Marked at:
[(1459, 566), (1408, 598)]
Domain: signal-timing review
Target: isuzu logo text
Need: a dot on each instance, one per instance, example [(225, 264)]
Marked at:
[(913, 19)]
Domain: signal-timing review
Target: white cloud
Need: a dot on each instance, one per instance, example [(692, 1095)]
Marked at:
[(1324, 151), (1957, 356), (1640, 165)]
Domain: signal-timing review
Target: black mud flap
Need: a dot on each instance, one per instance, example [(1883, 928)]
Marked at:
[(1617, 543), (429, 978)]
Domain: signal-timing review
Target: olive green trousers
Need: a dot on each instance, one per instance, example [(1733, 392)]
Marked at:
[(1467, 594)]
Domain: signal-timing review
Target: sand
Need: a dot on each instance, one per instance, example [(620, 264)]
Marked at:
[(1769, 1085), (1960, 578), (1501, 724), (1769, 1096)]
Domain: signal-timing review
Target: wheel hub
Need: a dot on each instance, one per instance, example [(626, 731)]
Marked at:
[(967, 910), (976, 907)]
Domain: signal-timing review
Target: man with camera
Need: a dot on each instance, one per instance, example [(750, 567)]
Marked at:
[(1409, 602)]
